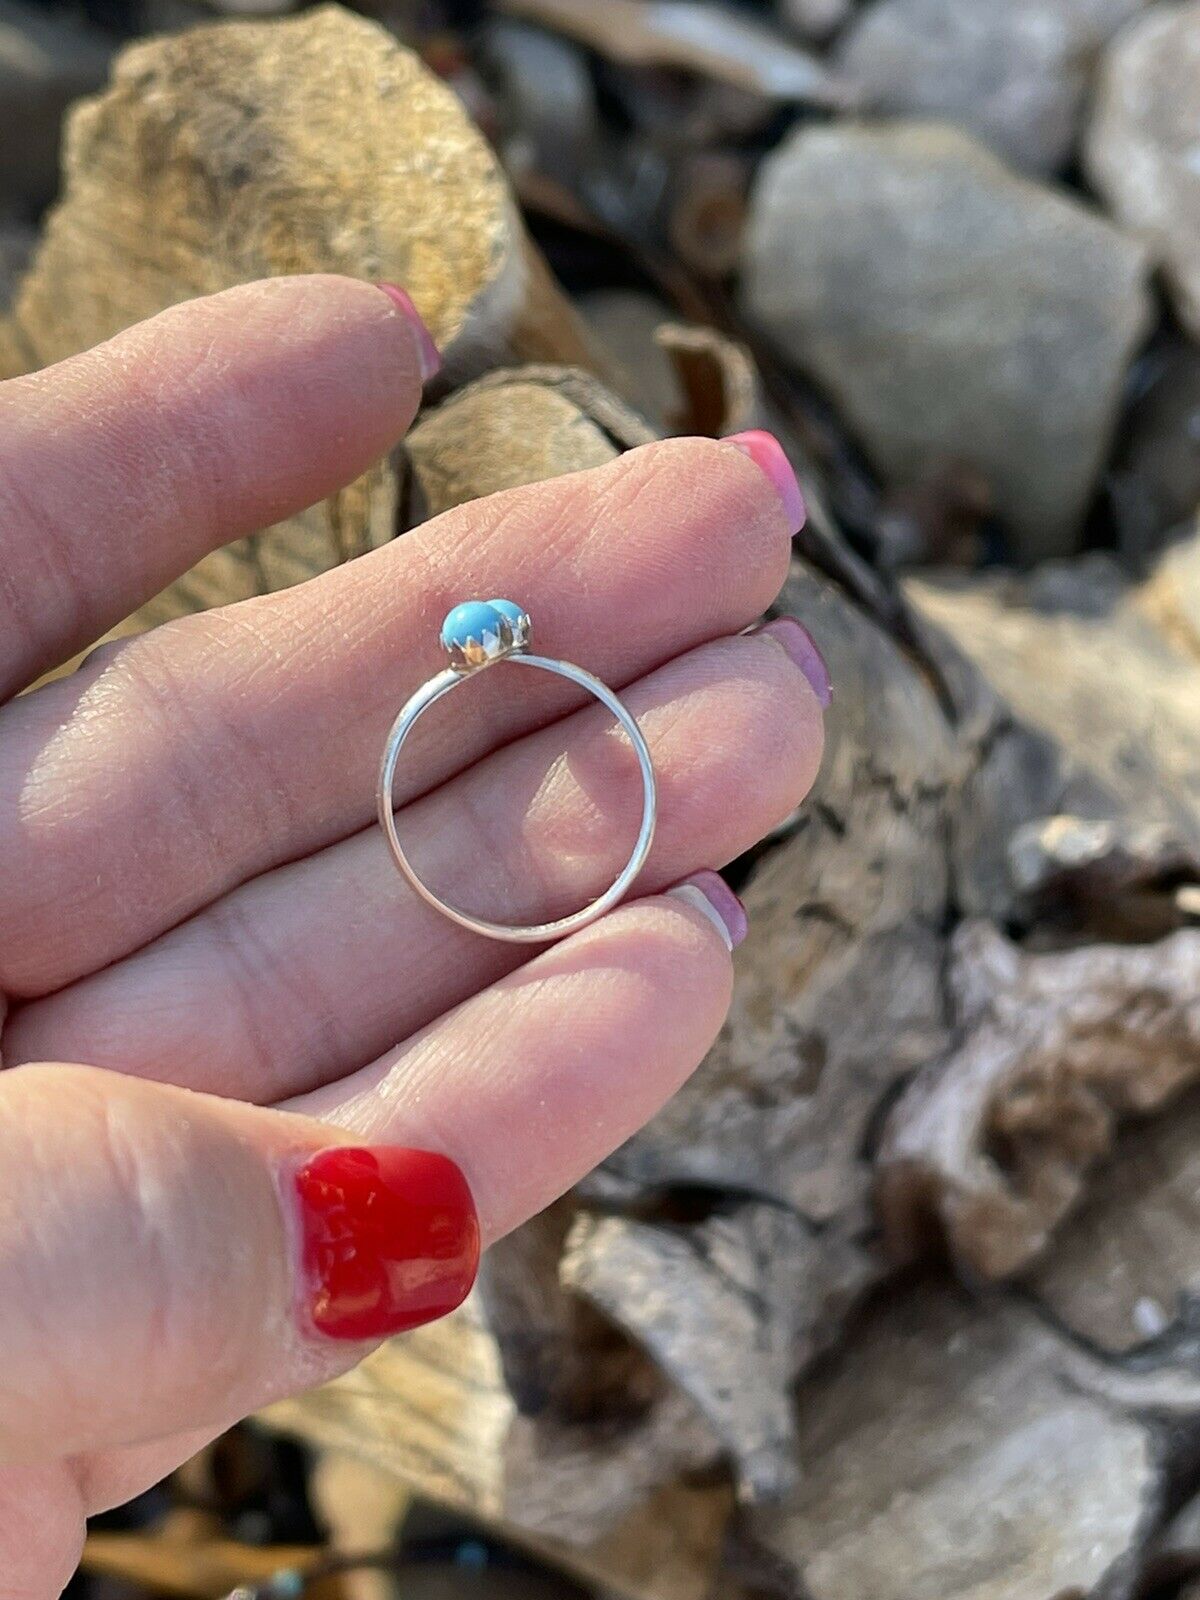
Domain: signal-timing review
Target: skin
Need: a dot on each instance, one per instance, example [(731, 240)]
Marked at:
[(209, 968)]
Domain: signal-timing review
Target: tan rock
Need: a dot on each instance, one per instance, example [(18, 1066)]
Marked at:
[(311, 144)]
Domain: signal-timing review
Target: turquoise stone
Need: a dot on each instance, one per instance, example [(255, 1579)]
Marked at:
[(470, 622), (509, 609)]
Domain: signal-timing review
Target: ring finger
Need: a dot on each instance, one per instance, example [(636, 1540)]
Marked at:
[(314, 968), (194, 758)]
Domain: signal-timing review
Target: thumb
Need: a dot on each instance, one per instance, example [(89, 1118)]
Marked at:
[(170, 1260)]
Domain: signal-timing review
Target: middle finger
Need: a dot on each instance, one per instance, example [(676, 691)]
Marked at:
[(175, 766), (303, 975)]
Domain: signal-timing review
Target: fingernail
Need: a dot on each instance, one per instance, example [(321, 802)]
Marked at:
[(800, 645), (431, 356), (390, 1239), (766, 452), (710, 894)]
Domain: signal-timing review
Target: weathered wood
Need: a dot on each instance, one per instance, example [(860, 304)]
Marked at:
[(941, 766), (1124, 1273), (754, 1279), (955, 1451), (997, 1139), (694, 38), (435, 1410), (1080, 819)]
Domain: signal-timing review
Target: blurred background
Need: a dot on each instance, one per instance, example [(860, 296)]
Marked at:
[(900, 1299)]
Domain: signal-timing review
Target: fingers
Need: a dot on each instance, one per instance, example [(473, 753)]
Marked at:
[(530, 1083), (43, 1508), (121, 467), (41, 1530), (203, 754), (317, 967), (170, 1260)]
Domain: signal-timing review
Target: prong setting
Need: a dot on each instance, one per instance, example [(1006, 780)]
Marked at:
[(478, 632)]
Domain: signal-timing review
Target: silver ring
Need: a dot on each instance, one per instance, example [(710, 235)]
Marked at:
[(475, 635)]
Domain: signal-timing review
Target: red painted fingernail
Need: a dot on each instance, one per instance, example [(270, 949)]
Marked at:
[(709, 893), (766, 452), (800, 645), (430, 355), (389, 1239)]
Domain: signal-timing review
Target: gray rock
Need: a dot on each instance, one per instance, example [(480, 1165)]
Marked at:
[(1141, 148), (814, 20), (952, 311), (45, 63), (626, 322), (1154, 485), (1013, 72), (17, 244)]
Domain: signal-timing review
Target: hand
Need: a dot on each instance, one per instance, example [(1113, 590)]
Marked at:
[(197, 905)]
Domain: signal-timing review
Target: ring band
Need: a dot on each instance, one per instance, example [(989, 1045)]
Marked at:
[(475, 635)]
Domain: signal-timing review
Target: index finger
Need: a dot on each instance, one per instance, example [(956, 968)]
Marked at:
[(121, 467)]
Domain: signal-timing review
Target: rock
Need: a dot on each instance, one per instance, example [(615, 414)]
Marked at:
[(814, 20), (46, 61), (1096, 860), (17, 242), (513, 427), (1014, 74), (1080, 820), (226, 150), (315, 144), (637, 1345), (845, 951), (1154, 484), (626, 321), (950, 309), (545, 93), (1140, 151)]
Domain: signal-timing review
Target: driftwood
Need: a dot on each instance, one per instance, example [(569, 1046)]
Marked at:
[(964, 1020), (891, 1469), (957, 1451)]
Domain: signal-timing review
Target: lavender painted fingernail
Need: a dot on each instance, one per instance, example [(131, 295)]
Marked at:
[(801, 647), (710, 894), (766, 452), (429, 354)]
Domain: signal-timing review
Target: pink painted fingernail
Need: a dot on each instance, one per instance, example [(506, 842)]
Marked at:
[(766, 452), (712, 896), (801, 647), (430, 355)]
